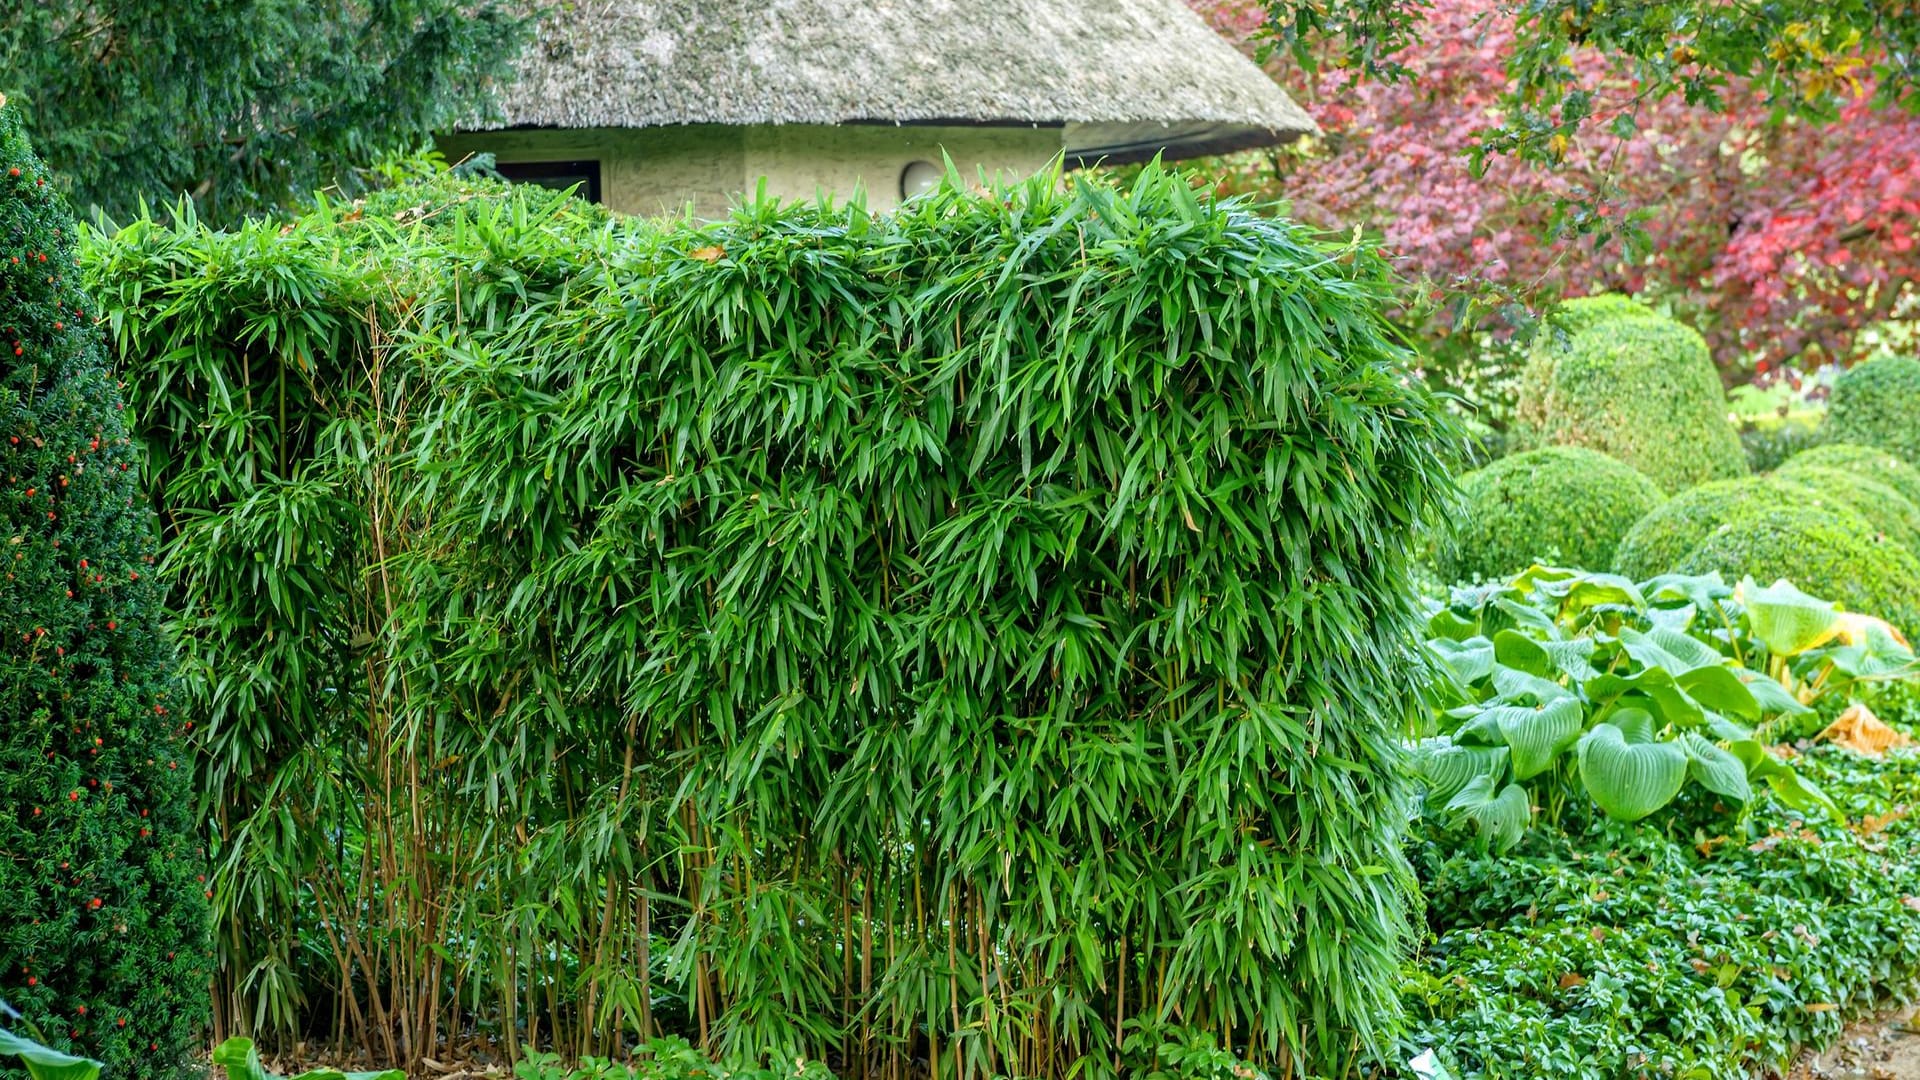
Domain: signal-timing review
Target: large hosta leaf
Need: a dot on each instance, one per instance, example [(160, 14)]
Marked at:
[(1630, 781), (1539, 734), (1514, 685), (1445, 767), (1715, 769), (1500, 814), (1793, 789), (1698, 590), (46, 1063), (242, 1062), (1449, 624), (1664, 648), (1719, 689), (1522, 653), (1672, 704), (1470, 660), (1787, 621), (1579, 591), (1773, 699)]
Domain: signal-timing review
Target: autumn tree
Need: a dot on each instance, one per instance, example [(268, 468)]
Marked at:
[(1781, 236), (242, 104)]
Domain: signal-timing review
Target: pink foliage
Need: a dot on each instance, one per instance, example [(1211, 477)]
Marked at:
[(1774, 238)]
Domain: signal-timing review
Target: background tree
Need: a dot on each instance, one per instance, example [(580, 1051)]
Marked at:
[(1782, 236), (104, 938), (242, 104)]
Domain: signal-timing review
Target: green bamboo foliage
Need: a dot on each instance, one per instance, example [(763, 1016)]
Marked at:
[(971, 641)]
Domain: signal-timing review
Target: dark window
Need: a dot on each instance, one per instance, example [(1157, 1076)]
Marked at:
[(583, 176)]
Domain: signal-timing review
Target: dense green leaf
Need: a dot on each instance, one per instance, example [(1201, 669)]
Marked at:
[(45, 1063), (1500, 814), (1714, 768), (1630, 780)]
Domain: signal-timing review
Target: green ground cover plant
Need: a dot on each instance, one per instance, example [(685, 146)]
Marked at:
[(1565, 503), (1712, 947), (103, 943), (932, 638), (1614, 376)]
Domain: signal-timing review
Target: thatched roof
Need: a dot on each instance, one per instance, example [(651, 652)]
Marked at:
[(1126, 78)]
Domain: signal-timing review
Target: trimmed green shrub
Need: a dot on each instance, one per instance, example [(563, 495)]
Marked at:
[(1827, 554), (1618, 378), (1769, 445), (1585, 312), (1863, 461), (1563, 502), (1878, 404), (915, 635), (1890, 513), (103, 936), (1661, 540)]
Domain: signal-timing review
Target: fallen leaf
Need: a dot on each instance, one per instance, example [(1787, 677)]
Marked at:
[(710, 253), (1859, 730), (1570, 980)]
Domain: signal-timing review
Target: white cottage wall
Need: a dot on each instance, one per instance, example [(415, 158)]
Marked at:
[(664, 170)]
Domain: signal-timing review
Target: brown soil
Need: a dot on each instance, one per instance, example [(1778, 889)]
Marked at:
[(1883, 1047)]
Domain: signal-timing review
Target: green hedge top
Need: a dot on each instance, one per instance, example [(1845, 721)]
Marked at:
[(1865, 461), (1826, 553), (1891, 514), (1616, 377), (103, 934), (1058, 536), (1568, 503), (1877, 404)]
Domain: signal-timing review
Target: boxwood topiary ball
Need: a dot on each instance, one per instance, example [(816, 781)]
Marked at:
[(1564, 503), (1658, 542), (1833, 556), (1860, 461), (1617, 377), (1891, 514), (1878, 404)]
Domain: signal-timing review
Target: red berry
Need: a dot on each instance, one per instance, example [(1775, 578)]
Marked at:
[(31, 981)]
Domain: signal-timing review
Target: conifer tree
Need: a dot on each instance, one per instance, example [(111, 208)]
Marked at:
[(103, 913)]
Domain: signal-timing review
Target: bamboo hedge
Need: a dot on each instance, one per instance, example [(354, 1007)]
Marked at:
[(970, 641)]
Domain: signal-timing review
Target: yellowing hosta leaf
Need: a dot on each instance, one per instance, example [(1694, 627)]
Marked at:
[(1858, 629), (1787, 621), (1630, 781)]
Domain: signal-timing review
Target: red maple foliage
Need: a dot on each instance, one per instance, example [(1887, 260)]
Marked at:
[(1780, 240)]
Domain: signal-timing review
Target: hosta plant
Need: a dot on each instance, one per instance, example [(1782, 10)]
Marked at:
[(1565, 683), (40, 1061)]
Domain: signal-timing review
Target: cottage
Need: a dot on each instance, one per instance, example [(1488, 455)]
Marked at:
[(654, 105)]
